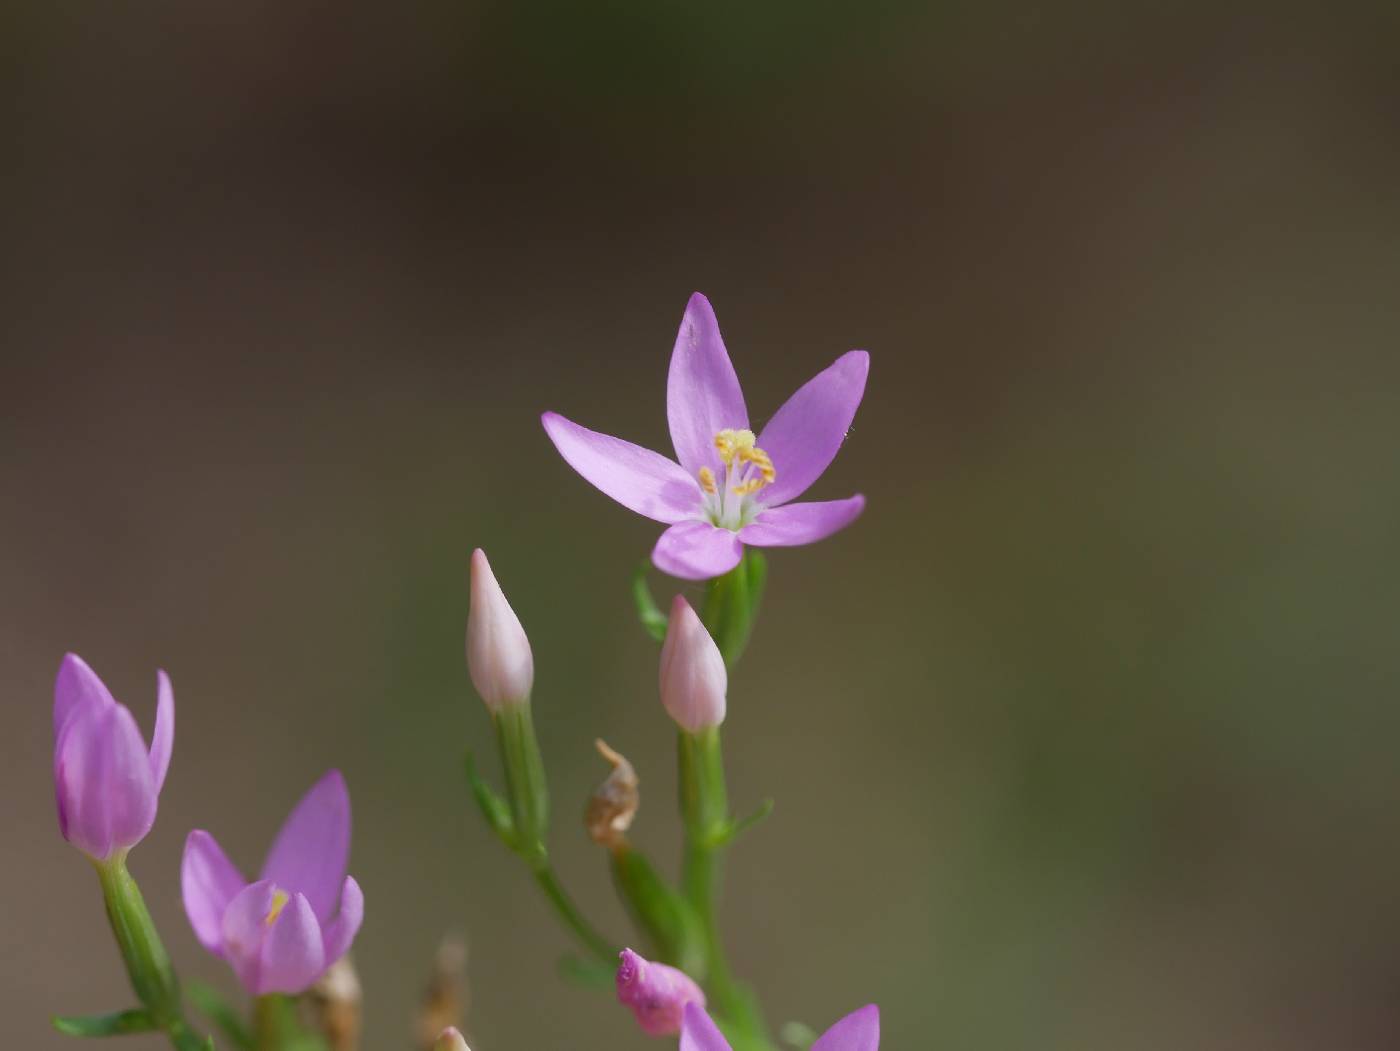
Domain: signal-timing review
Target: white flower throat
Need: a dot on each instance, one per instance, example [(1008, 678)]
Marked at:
[(729, 501)]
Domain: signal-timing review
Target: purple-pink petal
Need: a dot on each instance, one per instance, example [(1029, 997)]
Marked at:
[(805, 523), (703, 396), (641, 480), (312, 849), (75, 685), (340, 932), (699, 1032), (163, 737), (102, 780), (244, 928), (697, 550), (293, 955), (209, 881), (858, 1031), (804, 435)]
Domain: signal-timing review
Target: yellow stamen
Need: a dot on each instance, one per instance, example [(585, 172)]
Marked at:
[(731, 442), (279, 902), (707, 480)]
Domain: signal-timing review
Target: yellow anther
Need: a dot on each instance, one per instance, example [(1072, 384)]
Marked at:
[(279, 902), (731, 442), (707, 480), (762, 461)]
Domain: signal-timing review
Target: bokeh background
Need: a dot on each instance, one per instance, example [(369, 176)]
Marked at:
[(1084, 737)]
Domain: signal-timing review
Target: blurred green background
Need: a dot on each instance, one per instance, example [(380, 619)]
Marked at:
[(1083, 737)]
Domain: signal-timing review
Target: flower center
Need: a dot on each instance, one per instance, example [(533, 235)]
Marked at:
[(747, 469), (279, 902)]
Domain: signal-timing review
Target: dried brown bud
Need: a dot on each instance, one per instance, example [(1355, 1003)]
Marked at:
[(336, 999), (614, 805), (444, 998)]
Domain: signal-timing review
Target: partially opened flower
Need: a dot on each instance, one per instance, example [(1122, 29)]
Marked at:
[(106, 782), (656, 993), (283, 931), (731, 487), (858, 1031)]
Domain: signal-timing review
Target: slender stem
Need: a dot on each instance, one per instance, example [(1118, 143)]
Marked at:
[(569, 913), (705, 809), (147, 963)]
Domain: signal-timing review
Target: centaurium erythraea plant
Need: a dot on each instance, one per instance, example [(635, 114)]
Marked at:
[(281, 932), (106, 781), (730, 487)]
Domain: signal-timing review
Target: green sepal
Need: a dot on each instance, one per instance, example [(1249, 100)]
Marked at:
[(586, 973), (654, 621), (213, 1006), (741, 826), (493, 807), (526, 787), (669, 922), (731, 604), (136, 1020)]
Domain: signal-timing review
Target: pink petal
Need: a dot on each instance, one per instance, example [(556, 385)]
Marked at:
[(163, 737), (102, 780), (858, 1031), (805, 523), (76, 684), (245, 929), (312, 849), (340, 932), (208, 882), (696, 550), (637, 478), (699, 1032), (804, 435), (292, 955), (702, 392)]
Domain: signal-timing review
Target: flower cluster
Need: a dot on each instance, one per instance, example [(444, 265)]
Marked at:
[(281, 933)]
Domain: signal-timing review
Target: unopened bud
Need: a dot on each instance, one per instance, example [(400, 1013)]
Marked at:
[(614, 804), (693, 679), (498, 653), (451, 1040), (656, 993)]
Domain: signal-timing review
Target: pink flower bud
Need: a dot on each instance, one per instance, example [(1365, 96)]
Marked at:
[(693, 679), (450, 1040), (656, 993), (498, 653), (105, 780)]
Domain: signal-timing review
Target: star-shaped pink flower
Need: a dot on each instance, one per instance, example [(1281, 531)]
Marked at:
[(730, 486)]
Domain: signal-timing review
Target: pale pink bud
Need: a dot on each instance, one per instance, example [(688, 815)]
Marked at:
[(656, 993), (498, 653), (450, 1040), (693, 679)]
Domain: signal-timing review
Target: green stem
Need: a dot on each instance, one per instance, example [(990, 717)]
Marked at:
[(147, 963), (705, 810), (276, 1026), (569, 913)]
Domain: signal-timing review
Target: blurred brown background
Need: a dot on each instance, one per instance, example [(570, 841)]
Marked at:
[(1083, 737)]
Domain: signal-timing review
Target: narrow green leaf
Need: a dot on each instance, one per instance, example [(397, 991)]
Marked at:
[(745, 823), (136, 1020), (218, 1010), (493, 807), (653, 620)]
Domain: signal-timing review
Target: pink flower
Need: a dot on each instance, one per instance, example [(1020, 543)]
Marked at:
[(730, 487), (283, 931), (105, 781), (858, 1031), (656, 993)]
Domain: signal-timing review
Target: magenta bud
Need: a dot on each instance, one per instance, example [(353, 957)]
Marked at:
[(693, 679), (656, 993), (498, 653), (106, 781)]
